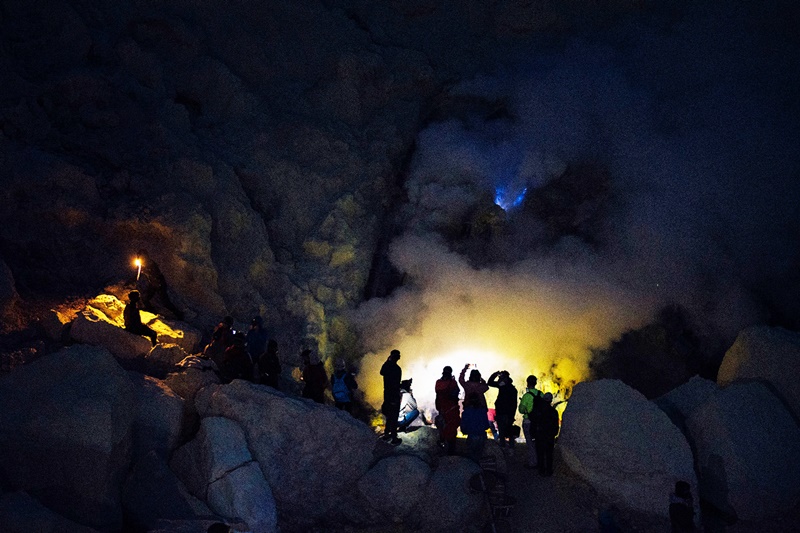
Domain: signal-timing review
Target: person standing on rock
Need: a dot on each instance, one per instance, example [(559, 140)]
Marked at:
[(314, 377), (447, 392), (526, 408), (681, 508), (133, 321), (256, 339), (221, 340), (235, 361), (392, 375), (505, 406), (545, 428), (343, 384), (474, 424), (475, 385), (269, 366)]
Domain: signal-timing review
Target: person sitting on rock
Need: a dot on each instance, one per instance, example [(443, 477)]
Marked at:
[(343, 384), (133, 321), (314, 377), (269, 366), (235, 361), (408, 406)]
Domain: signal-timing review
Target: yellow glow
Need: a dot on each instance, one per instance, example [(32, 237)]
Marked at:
[(137, 262)]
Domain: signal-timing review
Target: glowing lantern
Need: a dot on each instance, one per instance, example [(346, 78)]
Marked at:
[(138, 264)]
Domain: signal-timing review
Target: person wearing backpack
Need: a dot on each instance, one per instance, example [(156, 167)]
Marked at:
[(526, 409), (343, 383)]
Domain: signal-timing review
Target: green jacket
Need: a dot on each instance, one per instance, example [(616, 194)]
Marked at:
[(526, 403)]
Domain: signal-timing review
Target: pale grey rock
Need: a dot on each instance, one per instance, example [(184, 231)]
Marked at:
[(748, 451), (20, 513), (166, 355), (67, 441), (218, 448), (245, 495), (312, 455), (393, 487), (194, 374), (152, 492), (771, 355), (624, 446), (174, 332), (56, 323), (423, 442), (158, 424), (688, 397), (217, 467), (447, 503)]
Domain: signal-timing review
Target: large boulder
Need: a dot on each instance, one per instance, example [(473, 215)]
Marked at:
[(159, 416), (393, 487), (67, 439), (447, 503), (682, 401), (166, 355), (20, 513), (93, 326), (766, 354), (173, 332), (748, 451), (193, 374), (153, 492), (217, 467), (311, 455), (624, 445)]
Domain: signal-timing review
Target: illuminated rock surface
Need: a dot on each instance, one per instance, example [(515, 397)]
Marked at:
[(748, 451), (67, 441), (166, 355), (771, 355), (624, 445), (93, 326)]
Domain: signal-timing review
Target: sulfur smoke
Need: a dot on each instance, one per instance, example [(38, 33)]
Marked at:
[(691, 120)]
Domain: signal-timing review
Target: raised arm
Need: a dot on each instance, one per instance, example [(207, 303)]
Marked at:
[(461, 376), (493, 379)]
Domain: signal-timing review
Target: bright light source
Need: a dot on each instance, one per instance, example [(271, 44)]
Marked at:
[(501, 198), (138, 264)]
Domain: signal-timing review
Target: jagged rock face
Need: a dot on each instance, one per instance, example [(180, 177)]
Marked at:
[(159, 416), (748, 452), (67, 441), (624, 446), (251, 151)]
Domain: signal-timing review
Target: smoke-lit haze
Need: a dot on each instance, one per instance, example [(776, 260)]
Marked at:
[(696, 122)]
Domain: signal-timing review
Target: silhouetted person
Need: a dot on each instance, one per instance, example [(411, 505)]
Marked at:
[(545, 428), (343, 384), (269, 366), (392, 375), (505, 406), (447, 392), (526, 408), (221, 339), (474, 424), (408, 406), (474, 385), (235, 362), (133, 321), (314, 377), (256, 339), (681, 508)]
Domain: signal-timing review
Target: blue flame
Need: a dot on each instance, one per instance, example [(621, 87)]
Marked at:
[(501, 198)]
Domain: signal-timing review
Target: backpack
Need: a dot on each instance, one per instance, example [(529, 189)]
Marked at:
[(341, 393)]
